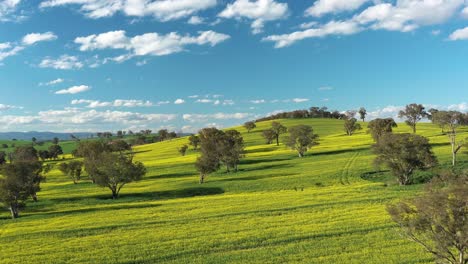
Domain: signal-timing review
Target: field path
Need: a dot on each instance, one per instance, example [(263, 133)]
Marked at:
[(344, 178)]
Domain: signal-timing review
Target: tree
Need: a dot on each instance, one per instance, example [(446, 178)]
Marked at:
[(72, 169), (119, 145), (379, 127), (413, 114), (250, 126), (163, 134), (44, 155), (183, 149), (3, 157), (269, 135), (350, 114), (351, 126), (55, 151), (301, 138), (24, 153), (114, 171), (17, 185), (90, 151), (120, 134), (55, 141), (210, 149), (194, 141), (451, 120), (362, 114), (437, 220), (278, 129), (231, 149), (403, 154), (34, 141)]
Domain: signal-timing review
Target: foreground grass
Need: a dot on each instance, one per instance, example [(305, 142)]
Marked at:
[(328, 207)]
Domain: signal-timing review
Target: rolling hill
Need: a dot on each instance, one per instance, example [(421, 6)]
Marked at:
[(328, 207)]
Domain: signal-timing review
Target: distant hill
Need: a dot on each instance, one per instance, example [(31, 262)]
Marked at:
[(41, 136)]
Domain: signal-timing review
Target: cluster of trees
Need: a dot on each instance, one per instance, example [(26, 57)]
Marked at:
[(105, 165), (218, 148), (301, 137), (437, 220), (313, 112), (21, 179)]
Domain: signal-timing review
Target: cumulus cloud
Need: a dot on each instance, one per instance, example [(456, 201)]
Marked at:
[(216, 116), (300, 100), (162, 10), (149, 43), (331, 28), (322, 7), (64, 62), (403, 16), (33, 38), (260, 11), (74, 90), (115, 103), (179, 101), (407, 15), (195, 20), (4, 107), (7, 7), (459, 34)]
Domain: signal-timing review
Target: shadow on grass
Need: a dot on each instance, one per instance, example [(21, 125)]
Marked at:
[(162, 195), (267, 167), (257, 161), (258, 177), (339, 151), (170, 176), (260, 150)]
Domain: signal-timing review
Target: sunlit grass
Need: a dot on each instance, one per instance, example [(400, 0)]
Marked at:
[(278, 208)]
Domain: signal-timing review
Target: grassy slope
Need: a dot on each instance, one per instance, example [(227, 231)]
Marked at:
[(67, 146), (278, 208)]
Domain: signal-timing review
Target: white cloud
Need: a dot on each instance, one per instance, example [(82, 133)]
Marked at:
[(179, 101), (193, 96), (322, 7), (4, 107), (258, 101), (300, 100), (260, 11), (162, 10), (74, 90), (7, 7), (307, 25), (33, 38), (331, 28), (196, 20), (64, 62), (204, 101), (149, 43), (464, 12), (459, 34), (53, 82), (115, 103), (216, 116), (8, 50), (407, 15)]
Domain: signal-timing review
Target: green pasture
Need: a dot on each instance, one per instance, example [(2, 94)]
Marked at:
[(328, 207)]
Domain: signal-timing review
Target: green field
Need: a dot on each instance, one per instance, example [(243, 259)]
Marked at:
[(328, 207)]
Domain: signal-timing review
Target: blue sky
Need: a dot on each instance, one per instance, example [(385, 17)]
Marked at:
[(93, 65)]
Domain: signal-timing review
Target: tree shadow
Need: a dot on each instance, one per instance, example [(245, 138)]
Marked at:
[(339, 151), (169, 176), (257, 161), (260, 150), (258, 177), (267, 167)]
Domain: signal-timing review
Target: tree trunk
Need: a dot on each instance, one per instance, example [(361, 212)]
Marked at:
[(414, 129), (34, 197), (202, 178), (14, 211), (277, 140), (115, 194)]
